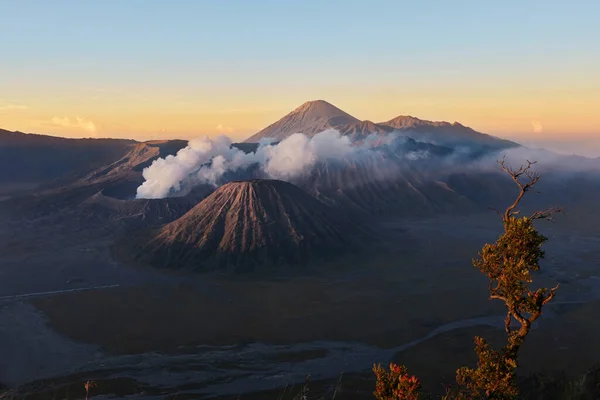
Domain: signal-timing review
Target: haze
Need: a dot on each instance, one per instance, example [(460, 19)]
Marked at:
[(149, 70)]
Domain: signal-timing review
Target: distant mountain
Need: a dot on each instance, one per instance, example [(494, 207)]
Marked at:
[(445, 133), (316, 116), (248, 224), (38, 159), (21, 139)]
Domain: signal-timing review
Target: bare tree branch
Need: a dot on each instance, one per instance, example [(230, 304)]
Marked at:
[(494, 210), (532, 177), (546, 214), (551, 295)]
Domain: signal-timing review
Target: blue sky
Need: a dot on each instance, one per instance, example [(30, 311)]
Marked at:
[(184, 36)]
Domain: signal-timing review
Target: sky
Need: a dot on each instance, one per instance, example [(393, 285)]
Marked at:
[(146, 69)]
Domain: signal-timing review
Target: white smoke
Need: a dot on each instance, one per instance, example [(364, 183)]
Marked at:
[(417, 155), (206, 160), (201, 161), (297, 153)]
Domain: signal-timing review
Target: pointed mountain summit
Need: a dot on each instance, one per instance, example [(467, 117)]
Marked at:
[(310, 118)]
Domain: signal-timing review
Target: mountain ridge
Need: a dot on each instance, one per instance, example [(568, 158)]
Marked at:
[(39, 159), (316, 116), (25, 138)]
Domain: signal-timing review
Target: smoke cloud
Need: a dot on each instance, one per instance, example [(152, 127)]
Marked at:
[(202, 160), (207, 160), (297, 153), (380, 157)]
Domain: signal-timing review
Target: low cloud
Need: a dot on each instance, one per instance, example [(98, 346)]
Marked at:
[(74, 123), (537, 126), (13, 107), (224, 129)]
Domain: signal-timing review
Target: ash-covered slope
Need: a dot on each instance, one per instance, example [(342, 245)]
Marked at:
[(245, 225), (139, 212), (392, 181), (121, 178), (310, 118)]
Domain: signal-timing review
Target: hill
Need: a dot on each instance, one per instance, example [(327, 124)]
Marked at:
[(39, 159), (246, 225)]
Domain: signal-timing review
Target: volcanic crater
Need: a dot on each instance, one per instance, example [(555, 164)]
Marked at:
[(246, 225)]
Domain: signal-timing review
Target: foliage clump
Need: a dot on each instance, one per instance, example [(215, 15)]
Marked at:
[(395, 384)]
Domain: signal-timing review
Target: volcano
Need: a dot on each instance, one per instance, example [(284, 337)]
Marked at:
[(245, 225), (310, 118), (101, 208)]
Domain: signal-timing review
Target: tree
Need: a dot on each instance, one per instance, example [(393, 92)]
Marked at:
[(509, 264)]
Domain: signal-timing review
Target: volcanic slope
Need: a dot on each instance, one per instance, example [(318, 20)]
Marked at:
[(310, 118), (246, 225), (100, 208)]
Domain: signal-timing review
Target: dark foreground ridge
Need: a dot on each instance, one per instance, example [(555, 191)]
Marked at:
[(247, 224)]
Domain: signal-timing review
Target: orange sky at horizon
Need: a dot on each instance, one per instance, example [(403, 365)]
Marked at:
[(517, 115)]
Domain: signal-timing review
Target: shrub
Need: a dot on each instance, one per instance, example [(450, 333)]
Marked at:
[(395, 384)]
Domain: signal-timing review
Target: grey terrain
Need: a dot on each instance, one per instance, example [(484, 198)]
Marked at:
[(399, 287)]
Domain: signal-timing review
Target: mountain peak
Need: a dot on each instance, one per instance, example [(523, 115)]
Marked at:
[(309, 118), (321, 109), (317, 102), (319, 105)]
